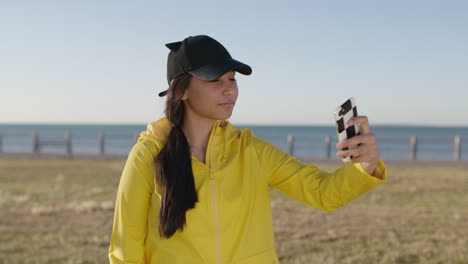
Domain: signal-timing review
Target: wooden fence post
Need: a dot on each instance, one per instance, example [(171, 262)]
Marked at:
[(101, 143), (328, 146), (291, 144), (414, 147), (35, 139), (457, 148), (68, 143)]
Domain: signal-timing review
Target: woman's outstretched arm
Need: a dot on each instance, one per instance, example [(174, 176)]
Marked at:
[(315, 187)]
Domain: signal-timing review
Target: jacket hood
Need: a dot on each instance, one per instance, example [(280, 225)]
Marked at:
[(159, 130)]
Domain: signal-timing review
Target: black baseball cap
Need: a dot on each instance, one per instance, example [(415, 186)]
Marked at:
[(203, 57)]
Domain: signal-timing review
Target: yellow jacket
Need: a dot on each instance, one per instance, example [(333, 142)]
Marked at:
[(232, 222)]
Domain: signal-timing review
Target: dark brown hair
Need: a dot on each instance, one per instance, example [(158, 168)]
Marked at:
[(173, 165)]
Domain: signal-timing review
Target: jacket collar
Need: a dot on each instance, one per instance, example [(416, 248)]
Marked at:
[(160, 129)]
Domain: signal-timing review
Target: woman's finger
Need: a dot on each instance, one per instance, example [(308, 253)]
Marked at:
[(371, 156), (361, 150), (359, 139), (363, 121), (358, 159)]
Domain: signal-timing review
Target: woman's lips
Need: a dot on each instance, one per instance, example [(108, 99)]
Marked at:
[(228, 105)]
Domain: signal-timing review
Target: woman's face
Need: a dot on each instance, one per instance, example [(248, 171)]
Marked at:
[(213, 100)]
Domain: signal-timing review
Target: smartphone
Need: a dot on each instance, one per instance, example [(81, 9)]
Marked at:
[(342, 115)]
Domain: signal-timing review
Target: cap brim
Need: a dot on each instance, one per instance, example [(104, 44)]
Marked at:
[(213, 71), (163, 93)]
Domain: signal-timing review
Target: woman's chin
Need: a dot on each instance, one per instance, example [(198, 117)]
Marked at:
[(223, 116)]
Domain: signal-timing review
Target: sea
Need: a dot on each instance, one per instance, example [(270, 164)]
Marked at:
[(309, 141)]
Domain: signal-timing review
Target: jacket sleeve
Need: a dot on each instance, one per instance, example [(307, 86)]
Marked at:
[(129, 229), (311, 185)]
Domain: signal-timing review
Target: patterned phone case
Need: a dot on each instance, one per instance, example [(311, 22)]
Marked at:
[(342, 114)]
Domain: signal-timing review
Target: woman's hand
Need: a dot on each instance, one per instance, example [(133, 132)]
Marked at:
[(368, 151)]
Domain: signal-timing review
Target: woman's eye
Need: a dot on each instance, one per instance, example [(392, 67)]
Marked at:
[(232, 79)]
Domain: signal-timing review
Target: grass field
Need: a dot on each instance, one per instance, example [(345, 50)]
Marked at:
[(60, 211)]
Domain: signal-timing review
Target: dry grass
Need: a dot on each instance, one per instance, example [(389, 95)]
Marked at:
[(60, 211)]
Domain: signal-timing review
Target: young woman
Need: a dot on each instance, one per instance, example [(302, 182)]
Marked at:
[(195, 189)]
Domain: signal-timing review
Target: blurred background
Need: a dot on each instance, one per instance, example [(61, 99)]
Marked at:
[(82, 78), (96, 66)]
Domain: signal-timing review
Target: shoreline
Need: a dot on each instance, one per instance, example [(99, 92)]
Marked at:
[(332, 161)]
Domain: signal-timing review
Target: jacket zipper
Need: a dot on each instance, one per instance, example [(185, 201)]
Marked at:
[(215, 204), (215, 214)]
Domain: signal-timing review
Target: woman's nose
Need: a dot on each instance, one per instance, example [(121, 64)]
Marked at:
[(229, 90), (229, 87)]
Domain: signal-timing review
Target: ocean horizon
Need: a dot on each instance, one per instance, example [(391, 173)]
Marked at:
[(434, 142)]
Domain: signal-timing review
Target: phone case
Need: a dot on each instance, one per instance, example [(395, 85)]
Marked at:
[(342, 115)]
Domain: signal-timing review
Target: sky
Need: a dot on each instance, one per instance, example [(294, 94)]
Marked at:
[(104, 62)]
